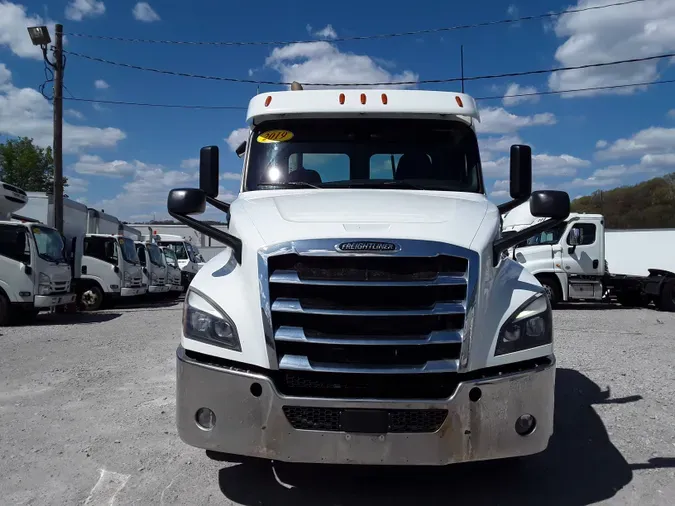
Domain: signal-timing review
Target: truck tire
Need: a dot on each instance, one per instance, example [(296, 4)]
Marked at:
[(667, 300), (4, 310), (91, 297), (552, 289)]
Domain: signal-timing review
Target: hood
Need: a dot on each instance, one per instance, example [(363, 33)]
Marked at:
[(58, 273), (361, 213)]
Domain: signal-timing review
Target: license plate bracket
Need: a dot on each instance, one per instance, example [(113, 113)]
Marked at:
[(365, 421)]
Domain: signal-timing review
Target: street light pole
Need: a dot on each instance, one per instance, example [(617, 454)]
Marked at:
[(58, 129)]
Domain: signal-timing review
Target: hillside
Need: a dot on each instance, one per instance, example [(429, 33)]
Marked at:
[(650, 204)]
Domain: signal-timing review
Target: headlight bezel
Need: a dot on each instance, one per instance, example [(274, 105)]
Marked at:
[(520, 319), (212, 316)]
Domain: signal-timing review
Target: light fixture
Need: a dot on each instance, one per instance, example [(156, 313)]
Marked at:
[(39, 35)]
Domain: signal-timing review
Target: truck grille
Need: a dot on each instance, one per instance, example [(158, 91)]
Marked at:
[(136, 282), (60, 287), (364, 314), (395, 420)]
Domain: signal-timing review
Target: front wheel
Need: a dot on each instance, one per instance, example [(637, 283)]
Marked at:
[(552, 290), (667, 300), (4, 310), (91, 298)]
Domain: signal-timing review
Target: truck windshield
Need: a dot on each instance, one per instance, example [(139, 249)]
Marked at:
[(49, 244), (177, 247), (155, 255), (170, 257), (129, 251), (410, 154)]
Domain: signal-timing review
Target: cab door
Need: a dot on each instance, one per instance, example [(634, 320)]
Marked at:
[(584, 247), (542, 252)]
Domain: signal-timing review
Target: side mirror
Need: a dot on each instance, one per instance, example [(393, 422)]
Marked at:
[(521, 171), (550, 204), (208, 171), (185, 201), (241, 149)]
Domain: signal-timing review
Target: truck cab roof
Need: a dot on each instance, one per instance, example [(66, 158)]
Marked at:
[(383, 103)]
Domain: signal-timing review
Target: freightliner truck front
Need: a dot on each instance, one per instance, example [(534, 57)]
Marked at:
[(364, 310)]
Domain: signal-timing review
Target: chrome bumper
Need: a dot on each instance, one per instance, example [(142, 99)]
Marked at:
[(44, 301), (256, 426), (131, 292), (159, 288), (176, 288)]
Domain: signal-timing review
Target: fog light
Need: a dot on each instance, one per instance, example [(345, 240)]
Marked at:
[(205, 418), (525, 425)]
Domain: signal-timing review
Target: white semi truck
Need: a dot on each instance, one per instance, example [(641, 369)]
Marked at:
[(362, 312), (569, 260), (110, 268), (35, 269)]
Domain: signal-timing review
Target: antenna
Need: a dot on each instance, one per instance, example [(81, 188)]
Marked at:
[(461, 60)]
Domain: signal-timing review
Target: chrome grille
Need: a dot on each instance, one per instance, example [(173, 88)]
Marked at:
[(136, 282), (60, 286), (404, 312)]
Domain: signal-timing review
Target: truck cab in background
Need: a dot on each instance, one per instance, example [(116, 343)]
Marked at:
[(173, 273), (185, 253), (35, 273), (153, 265)]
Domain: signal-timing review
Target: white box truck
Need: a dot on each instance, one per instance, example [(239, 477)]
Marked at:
[(110, 268), (35, 267), (154, 266), (569, 260), (173, 274), (362, 312), (186, 253)]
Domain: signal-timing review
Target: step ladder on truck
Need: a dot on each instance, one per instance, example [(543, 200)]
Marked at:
[(36, 269), (569, 260), (362, 311)]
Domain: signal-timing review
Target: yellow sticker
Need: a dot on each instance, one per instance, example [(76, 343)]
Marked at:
[(36, 230), (275, 136), (121, 241)]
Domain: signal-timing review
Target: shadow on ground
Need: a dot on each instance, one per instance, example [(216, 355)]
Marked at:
[(51, 319), (581, 466)]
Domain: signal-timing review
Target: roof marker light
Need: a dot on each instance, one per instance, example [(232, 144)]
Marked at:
[(268, 100), (342, 98), (459, 101), (363, 98), (384, 98)]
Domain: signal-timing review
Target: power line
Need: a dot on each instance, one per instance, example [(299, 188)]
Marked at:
[(494, 97), (388, 83), (362, 37)]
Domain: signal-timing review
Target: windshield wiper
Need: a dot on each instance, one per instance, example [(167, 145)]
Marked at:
[(301, 184)]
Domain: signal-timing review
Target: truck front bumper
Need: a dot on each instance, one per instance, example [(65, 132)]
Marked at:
[(159, 288), (176, 288), (45, 301), (132, 292), (250, 421)]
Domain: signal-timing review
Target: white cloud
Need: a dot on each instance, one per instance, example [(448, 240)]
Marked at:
[(514, 89), (497, 120), (76, 185), (95, 165), (601, 144), (593, 181), (327, 32), (190, 163), (653, 140), (236, 137), (25, 112), (100, 84), (74, 113), (13, 34), (618, 33), (489, 146), (671, 113), (648, 164), (77, 10), (542, 165), (143, 12), (322, 62)]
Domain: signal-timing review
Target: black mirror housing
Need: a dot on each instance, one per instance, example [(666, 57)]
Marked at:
[(241, 149), (185, 201), (550, 204), (209, 170), (521, 171)]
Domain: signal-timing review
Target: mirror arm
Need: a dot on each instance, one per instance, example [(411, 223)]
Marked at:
[(212, 232), (507, 242), (218, 204), (507, 206)]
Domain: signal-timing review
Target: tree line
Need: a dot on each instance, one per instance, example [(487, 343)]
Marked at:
[(27, 166), (650, 204)]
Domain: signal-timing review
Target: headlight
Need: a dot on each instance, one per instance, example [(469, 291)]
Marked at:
[(44, 279), (529, 327), (127, 276), (204, 321), (153, 277), (44, 284)]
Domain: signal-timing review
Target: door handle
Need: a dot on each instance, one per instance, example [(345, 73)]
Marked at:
[(84, 269), (596, 263)]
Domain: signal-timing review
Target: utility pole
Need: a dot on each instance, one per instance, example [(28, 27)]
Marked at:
[(58, 129), (461, 63)]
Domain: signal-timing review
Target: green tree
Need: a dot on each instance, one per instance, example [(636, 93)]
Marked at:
[(27, 166)]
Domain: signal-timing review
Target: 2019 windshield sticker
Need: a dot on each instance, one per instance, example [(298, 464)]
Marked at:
[(275, 136)]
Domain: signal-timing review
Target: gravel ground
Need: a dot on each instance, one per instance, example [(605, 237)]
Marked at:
[(87, 414)]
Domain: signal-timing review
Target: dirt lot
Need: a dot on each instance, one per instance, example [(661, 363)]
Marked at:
[(87, 415)]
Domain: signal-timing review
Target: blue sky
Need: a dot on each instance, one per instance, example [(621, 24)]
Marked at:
[(124, 159)]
